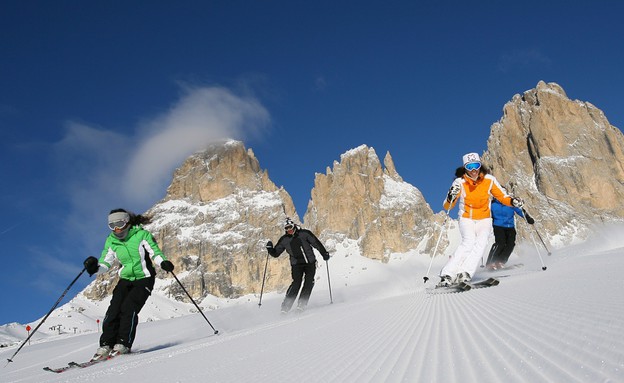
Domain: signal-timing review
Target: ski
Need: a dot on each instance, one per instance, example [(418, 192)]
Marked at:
[(58, 370), (90, 362), (455, 288), (71, 365), (484, 283), (464, 286)]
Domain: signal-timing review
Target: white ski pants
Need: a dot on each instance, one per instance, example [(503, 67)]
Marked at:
[(474, 239)]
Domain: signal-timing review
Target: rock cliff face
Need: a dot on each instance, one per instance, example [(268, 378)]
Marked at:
[(563, 157), (360, 200)]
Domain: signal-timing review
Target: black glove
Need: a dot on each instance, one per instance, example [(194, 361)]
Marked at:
[(452, 193), (529, 219), (167, 266), (269, 247), (92, 265), (326, 256), (517, 202)]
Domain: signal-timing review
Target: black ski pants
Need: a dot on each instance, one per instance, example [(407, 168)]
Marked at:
[(504, 243), (122, 316), (301, 273)]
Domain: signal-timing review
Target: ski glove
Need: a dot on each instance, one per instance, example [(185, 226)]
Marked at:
[(270, 249), (326, 256), (517, 202), (92, 265), (529, 219), (452, 193), (167, 266)]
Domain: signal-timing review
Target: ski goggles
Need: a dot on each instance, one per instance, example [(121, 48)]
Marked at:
[(117, 224), (289, 228), (472, 166)]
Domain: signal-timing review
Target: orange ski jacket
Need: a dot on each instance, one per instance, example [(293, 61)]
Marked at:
[(475, 197)]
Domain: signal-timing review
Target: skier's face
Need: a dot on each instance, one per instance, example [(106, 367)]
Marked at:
[(472, 169), (121, 232), (290, 229)]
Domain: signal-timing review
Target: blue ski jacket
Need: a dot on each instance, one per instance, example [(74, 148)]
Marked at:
[(503, 215)]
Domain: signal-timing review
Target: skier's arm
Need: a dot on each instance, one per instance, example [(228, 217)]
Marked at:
[(316, 243), (499, 193), (452, 195), (277, 250)]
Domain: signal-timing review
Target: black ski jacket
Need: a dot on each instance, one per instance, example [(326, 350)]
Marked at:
[(299, 247)]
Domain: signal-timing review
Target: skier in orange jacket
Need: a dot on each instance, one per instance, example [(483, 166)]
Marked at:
[(472, 192)]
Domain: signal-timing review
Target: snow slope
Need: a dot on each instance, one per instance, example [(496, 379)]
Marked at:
[(565, 324)]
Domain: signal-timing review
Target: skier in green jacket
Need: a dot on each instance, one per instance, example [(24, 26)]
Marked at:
[(137, 251)]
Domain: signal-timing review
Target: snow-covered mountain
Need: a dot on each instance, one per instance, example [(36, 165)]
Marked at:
[(560, 325)]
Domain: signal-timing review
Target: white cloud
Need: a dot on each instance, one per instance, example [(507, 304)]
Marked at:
[(203, 116), (103, 169)]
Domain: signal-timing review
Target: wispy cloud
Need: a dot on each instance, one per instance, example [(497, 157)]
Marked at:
[(103, 169), (203, 116), (522, 58)]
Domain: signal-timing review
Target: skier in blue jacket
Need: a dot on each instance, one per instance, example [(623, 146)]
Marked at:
[(504, 225)]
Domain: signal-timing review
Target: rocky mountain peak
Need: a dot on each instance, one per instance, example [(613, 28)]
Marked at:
[(217, 172), (390, 169), (562, 156), (360, 200)]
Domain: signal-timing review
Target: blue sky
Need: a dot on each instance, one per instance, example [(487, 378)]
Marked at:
[(101, 101)]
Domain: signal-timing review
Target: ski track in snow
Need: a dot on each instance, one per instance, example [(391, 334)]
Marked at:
[(536, 326)]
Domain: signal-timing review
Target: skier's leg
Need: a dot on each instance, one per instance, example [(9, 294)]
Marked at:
[(293, 289), (130, 308), (500, 240), (308, 284), (490, 258), (110, 324), (510, 235), (455, 265), (482, 227)]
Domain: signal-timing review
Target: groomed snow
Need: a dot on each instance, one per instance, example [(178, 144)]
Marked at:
[(564, 324)]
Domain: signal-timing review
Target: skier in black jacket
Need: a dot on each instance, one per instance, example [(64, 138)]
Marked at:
[(298, 243)]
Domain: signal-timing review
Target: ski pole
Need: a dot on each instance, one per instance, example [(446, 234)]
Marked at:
[(47, 315), (538, 252), (435, 250), (535, 244), (192, 300), (263, 279), (537, 232), (331, 299)]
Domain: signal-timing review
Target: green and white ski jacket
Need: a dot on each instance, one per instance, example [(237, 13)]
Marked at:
[(135, 253)]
